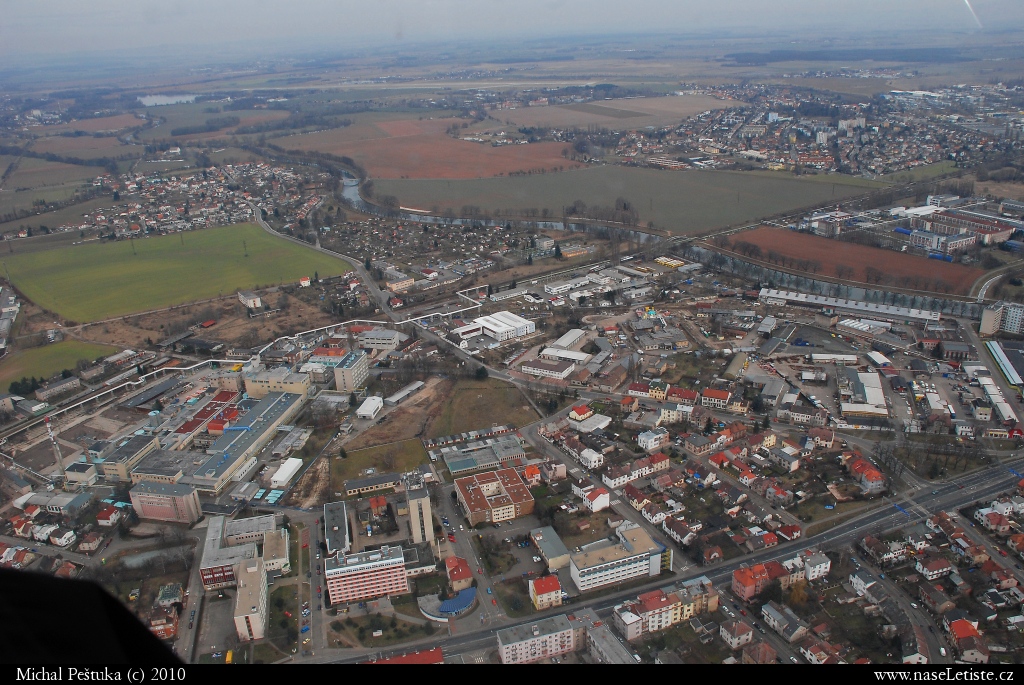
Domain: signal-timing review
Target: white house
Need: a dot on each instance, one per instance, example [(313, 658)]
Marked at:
[(817, 566), (250, 299), (591, 458), (653, 439)]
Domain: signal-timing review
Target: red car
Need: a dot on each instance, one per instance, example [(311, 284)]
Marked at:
[(481, 570), (318, 589), (494, 601), (288, 614), (451, 537), (1002, 552)]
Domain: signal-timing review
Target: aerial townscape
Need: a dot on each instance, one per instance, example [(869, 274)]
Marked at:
[(640, 343)]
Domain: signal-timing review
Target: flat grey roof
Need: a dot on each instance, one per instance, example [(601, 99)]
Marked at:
[(216, 555), (336, 527), (248, 526), (551, 546), (370, 481), (267, 411), (545, 626), (127, 449), (161, 462), (168, 489)]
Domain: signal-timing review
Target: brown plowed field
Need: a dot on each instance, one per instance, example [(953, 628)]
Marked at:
[(897, 269), (421, 149)]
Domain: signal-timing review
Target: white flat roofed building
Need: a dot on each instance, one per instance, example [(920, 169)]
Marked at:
[(352, 371), (381, 339), (251, 600), (260, 384), (275, 551), (548, 369), (557, 353), (366, 575), (370, 407), (504, 326), (559, 287), (782, 297), (286, 472), (542, 639), (636, 555)]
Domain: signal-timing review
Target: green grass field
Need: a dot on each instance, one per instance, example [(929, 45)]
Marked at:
[(921, 173), (395, 457), (96, 281), (682, 202), (476, 404), (43, 362)]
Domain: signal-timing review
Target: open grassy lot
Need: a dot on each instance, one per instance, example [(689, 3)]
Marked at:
[(678, 201), (43, 362), (395, 457), (96, 281), (481, 404), (921, 173), (392, 630)]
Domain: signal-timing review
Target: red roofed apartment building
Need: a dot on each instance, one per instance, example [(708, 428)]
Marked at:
[(682, 396), (750, 581), (494, 496), (716, 399), (546, 592)]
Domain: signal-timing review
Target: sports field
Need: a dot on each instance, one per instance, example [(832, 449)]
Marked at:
[(101, 280), (43, 362), (678, 201)]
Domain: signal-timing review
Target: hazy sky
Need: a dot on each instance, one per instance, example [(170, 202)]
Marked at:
[(71, 26)]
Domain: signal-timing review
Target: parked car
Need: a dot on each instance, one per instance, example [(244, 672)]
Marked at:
[(305, 629), (288, 614)]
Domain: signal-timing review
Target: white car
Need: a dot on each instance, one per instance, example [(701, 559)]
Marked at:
[(537, 559)]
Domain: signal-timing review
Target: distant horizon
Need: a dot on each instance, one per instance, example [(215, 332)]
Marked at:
[(111, 31), (125, 61)]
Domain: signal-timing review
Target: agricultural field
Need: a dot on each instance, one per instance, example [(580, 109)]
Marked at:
[(101, 280), (682, 202), (43, 362), (481, 404), (39, 173), (114, 123), (70, 215), (413, 148), (895, 268), (86, 147), (195, 114), (633, 113)]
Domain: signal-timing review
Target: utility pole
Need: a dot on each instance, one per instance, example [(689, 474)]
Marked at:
[(56, 451)]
